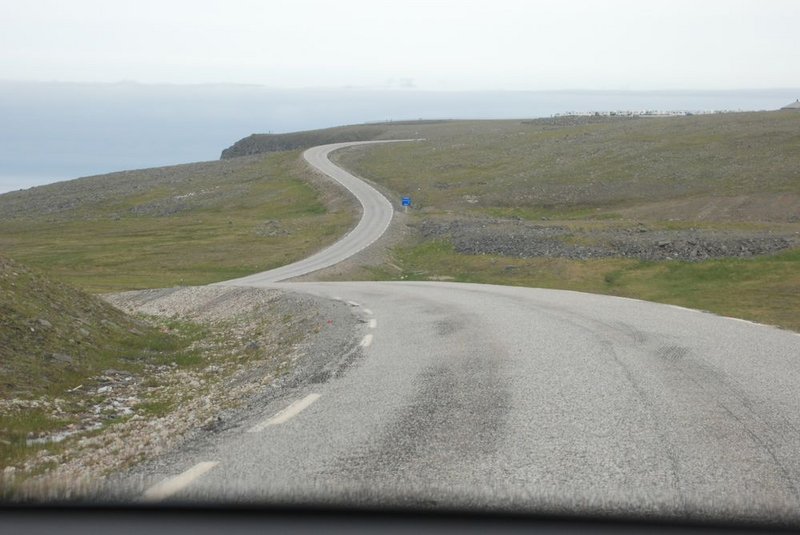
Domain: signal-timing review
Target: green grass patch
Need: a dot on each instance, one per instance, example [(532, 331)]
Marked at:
[(157, 408), (763, 289), (15, 427)]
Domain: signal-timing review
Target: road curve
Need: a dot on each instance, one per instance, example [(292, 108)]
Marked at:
[(376, 215), (483, 396)]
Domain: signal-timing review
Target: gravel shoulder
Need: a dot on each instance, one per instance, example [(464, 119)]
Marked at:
[(259, 344)]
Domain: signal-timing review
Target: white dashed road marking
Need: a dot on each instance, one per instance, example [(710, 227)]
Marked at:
[(170, 486), (286, 414), (353, 304), (366, 341), (373, 323), (367, 311)]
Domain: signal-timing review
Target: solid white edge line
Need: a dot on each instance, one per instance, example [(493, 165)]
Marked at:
[(366, 341), (678, 307), (170, 486), (373, 323), (286, 414), (740, 320)]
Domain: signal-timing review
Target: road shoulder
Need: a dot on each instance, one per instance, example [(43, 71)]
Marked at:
[(260, 344)]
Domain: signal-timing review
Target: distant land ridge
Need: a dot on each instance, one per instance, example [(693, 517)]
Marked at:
[(262, 143)]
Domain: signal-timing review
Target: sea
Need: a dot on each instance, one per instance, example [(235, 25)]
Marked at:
[(52, 131)]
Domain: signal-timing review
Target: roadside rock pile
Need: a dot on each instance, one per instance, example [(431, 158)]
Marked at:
[(699, 246), (524, 239), (509, 238)]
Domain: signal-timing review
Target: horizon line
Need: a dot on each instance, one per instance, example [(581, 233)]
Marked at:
[(392, 89)]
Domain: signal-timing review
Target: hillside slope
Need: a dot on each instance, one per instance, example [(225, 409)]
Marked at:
[(53, 335), (735, 165), (186, 224), (54, 341), (86, 388)]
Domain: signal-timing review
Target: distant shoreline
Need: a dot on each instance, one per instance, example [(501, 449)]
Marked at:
[(58, 131)]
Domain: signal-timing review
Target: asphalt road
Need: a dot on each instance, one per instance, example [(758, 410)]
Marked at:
[(377, 213), (492, 396), (496, 397)]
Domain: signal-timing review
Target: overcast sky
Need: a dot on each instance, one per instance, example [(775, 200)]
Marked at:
[(432, 45)]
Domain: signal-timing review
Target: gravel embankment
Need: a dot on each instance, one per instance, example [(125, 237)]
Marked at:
[(259, 341), (524, 239)]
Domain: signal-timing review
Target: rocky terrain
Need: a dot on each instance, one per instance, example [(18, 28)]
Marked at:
[(256, 343), (525, 239)]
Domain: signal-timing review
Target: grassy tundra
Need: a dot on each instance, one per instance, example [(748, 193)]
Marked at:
[(182, 225), (701, 211), (728, 182)]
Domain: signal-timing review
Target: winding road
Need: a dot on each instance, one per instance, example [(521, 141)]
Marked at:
[(487, 396), (376, 215)]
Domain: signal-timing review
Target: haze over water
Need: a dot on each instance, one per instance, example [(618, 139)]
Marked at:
[(58, 131)]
